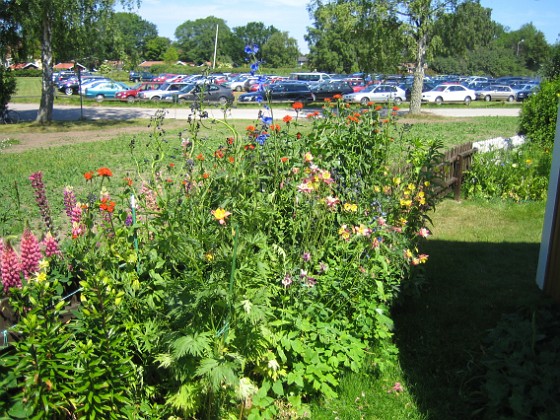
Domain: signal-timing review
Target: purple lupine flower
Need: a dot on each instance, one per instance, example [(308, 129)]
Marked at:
[(30, 253), (69, 200), (41, 198), (10, 268)]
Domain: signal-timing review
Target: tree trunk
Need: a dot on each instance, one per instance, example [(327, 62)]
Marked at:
[(418, 83), (47, 89)]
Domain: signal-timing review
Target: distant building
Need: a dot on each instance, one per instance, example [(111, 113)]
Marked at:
[(25, 66), (68, 66)]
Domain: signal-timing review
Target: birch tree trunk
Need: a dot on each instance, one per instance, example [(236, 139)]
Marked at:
[(44, 115)]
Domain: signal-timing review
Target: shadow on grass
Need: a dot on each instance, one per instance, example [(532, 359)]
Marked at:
[(439, 332)]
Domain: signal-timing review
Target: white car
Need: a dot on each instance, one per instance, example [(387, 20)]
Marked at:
[(157, 94), (377, 93), (449, 93)]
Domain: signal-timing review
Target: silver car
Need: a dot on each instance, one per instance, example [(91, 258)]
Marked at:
[(496, 93)]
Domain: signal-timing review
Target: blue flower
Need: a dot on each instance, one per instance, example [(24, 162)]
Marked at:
[(262, 138), (266, 120), (254, 68), (251, 49)]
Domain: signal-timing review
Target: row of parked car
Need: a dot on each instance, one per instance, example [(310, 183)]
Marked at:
[(300, 87)]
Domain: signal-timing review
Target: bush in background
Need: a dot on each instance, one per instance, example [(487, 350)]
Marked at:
[(539, 114), (7, 86)]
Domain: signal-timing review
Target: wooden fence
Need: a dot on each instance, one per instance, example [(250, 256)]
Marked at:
[(450, 171)]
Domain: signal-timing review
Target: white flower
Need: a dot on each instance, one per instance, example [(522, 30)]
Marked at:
[(273, 364)]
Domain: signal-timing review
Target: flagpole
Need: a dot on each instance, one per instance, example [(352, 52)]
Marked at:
[(215, 49)]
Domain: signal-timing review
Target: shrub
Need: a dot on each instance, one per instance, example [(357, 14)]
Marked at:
[(7, 86), (516, 174), (539, 114)]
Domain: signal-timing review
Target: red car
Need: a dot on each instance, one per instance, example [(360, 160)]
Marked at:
[(131, 94)]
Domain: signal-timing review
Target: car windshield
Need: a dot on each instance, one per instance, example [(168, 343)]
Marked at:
[(187, 88)]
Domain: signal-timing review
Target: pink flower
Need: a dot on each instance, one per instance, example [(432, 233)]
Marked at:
[(424, 233), (306, 256), (287, 280), (41, 198), (51, 246), (10, 268), (396, 388), (30, 253), (69, 200)]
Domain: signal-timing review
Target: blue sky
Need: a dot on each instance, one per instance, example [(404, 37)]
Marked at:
[(292, 15)]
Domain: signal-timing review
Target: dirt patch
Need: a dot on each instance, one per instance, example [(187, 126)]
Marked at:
[(38, 140)]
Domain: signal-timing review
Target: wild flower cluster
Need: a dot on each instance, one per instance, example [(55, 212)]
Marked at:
[(241, 278)]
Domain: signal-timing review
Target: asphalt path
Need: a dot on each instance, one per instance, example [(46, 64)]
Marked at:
[(28, 112)]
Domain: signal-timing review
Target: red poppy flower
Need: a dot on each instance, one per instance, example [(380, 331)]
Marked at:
[(104, 172), (298, 135), (107, 205), (250, 128), (219, 153), (200, 156), (297, 105), (89, 175), (171, 165), (284, 159), (205, 175), (230, 140), (128, 181), (231, 159), (287, 119), (337, 96)]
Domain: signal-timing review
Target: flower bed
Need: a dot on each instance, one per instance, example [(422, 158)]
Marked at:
[(238, 280)]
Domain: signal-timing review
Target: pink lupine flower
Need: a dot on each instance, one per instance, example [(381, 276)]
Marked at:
[(41, 198), (51, 246), (69, 200), (30, 253), (10, 268)]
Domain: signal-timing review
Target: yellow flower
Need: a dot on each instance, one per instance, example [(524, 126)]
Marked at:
[(209, 256), (350, 207), (376, 189), (397, 181), (43, 264), (220, 215), (42, 276), (406, 203), (411, 187)]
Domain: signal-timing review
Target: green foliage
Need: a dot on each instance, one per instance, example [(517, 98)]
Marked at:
[(7, 86), (551, 68), (247, 277), (539, 114), (516, 174), (520, 376)]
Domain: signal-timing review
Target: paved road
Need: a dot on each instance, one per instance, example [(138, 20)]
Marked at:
[(28, 112)]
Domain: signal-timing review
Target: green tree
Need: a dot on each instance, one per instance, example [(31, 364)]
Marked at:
[(64, 26), (171, 55), (196, 39), (469, 28), (254, 33), (354, 35), (156, 48), (551, 67), (128, 35), (420, 17), (280, 50)]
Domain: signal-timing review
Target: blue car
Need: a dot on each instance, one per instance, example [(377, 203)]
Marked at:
[(107, 89)]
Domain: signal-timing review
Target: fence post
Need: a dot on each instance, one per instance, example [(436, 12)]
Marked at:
[(458, 174)]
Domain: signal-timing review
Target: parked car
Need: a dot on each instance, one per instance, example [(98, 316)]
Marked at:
[(103, 90), (326, 90), (141, 76), (72, 86), (449, 93), (496, 93), (526, 93), (157, 94), (209, 93), (280, 92), (131, 94), (377, 93)]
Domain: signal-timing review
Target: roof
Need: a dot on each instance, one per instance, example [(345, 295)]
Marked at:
[(67, 66)]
